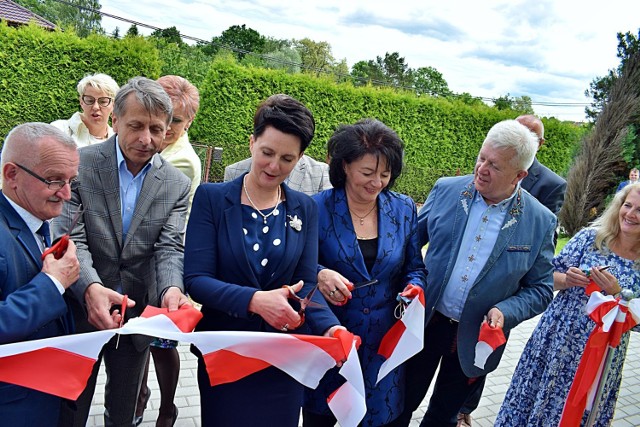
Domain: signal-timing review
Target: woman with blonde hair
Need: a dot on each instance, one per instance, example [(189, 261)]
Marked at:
[(97, 92), (545, 372)]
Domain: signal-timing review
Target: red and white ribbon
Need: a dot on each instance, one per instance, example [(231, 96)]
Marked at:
[(488, 341), (348, 402), (405, 338), (62, 365), (612, 320)]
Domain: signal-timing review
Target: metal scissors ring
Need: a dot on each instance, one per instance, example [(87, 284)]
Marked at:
[(304, 302)]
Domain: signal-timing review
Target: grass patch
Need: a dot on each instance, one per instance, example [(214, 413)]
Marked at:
[(562, 240)]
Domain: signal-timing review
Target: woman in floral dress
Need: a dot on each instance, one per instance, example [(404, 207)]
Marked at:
[(548, 364)]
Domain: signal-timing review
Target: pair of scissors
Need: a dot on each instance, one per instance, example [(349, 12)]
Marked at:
[(304, 302), (123, 310), (354, 286), (59, 248)]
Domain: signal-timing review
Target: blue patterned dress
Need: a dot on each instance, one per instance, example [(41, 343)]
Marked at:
[(545, 372)]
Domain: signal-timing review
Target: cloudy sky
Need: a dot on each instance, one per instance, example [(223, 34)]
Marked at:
[(549, 50)]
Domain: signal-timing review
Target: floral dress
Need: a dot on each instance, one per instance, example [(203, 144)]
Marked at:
[(545, 372)]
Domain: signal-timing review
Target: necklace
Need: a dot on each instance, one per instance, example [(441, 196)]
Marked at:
[(361, 218), (275, 210)]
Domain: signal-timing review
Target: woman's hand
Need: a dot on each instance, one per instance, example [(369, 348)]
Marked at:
[(332, 330), (273, 306), (573, 277), (333, 286), (331, 333), (605, 281)]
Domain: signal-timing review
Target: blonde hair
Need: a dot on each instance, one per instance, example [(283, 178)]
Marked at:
[(608, 225), (102, 82)]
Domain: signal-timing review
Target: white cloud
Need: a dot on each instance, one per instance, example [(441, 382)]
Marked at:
[(549, 50)]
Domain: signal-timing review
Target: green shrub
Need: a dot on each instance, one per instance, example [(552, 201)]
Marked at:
[(39, 71)]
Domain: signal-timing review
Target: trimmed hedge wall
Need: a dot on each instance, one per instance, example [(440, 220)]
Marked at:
[(39, 71), (441, 137)]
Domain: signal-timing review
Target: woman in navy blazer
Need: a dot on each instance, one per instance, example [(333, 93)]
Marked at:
[(246, 239), (366, 232)]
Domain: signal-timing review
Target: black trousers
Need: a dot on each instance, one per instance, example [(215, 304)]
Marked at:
[(452, 385), (473, 400), (310, 419)]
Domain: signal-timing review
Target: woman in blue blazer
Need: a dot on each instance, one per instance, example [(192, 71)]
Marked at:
[(246, 239), (366, 232)]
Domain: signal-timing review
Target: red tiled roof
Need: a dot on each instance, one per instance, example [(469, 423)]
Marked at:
[(14, 13)]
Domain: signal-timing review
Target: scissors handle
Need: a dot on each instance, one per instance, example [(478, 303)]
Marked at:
[(58, 249)]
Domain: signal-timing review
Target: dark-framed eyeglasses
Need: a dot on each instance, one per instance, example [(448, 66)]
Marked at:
[(103, 101), (52, 185)]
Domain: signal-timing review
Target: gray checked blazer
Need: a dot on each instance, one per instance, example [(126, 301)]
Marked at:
[(309, 176), (150, 258)]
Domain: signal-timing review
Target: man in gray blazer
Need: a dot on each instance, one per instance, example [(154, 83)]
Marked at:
[(489, 257), (129, 239), (309, 176)]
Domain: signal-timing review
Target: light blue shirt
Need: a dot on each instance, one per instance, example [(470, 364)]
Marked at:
[(480, 235), (130, 187)]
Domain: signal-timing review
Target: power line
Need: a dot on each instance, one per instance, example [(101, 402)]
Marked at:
[(307, 67)]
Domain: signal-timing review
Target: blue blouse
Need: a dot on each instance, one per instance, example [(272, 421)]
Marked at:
[(264, 239)]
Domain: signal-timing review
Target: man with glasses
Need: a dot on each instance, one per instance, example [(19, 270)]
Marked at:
[(39, 163), (130, 241), (91, 125)]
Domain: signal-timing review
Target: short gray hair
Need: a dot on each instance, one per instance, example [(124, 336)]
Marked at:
[(149, 94), (22, 143), (100, 81), (512, 134)]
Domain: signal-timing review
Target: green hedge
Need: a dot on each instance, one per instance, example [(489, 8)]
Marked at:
[(39, 71), (441, 137)]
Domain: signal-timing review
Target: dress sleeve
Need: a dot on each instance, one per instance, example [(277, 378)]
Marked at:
[(573, 251)]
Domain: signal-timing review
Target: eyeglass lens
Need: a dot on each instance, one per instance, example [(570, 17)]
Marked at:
[(103, 101), (52, 185)]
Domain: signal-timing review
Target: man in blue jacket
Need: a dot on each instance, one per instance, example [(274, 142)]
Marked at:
[(489, 257), (549, 188), (39, 163)]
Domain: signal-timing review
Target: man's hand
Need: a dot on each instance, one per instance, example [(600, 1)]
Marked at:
[(173, 299), (495, 318), (99, 301), (65, 269)]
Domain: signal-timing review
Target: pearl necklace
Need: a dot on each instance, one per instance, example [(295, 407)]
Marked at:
[(275, 210), (361, 218)]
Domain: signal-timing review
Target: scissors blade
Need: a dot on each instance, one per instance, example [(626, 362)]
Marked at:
[(306, 301), (363, 284), (76, 217), (123, 310)]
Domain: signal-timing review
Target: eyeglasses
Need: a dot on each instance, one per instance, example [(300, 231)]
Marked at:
[(52, 185), (103, 101)]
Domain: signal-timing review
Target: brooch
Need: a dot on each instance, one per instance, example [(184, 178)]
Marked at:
[(295, 222)]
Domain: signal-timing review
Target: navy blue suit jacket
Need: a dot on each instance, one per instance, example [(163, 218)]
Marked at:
[(217, 272), (517, 278), (31, 307), (370, 312), (545, 185)]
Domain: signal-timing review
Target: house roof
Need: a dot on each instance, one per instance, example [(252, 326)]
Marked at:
[(16, 14)]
